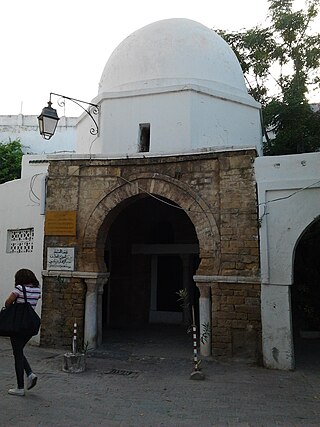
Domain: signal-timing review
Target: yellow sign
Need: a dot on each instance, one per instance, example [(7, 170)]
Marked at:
[(61, 223)]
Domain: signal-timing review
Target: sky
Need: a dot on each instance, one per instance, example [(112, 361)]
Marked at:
[(63, 46)]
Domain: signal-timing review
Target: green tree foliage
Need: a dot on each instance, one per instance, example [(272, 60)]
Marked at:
[(10, 161), (280, 62)]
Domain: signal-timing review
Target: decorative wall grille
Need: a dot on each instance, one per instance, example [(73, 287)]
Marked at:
[(20, 241)]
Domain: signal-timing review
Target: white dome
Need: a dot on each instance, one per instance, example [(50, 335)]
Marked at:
[(172, 52)]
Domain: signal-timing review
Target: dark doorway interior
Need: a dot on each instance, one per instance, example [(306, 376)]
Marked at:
[(150, 255), (169, 279), (306, 297)]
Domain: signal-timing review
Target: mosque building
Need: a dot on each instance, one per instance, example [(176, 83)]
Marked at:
[(172, 193)]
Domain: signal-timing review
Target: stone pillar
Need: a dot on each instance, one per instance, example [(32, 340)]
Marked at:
[(205, 318), (90, 317), (100, 287)]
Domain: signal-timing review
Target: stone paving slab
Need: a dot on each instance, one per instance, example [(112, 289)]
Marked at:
[(157, 393)]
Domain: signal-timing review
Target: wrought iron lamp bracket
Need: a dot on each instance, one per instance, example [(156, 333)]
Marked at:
[(91, 109)]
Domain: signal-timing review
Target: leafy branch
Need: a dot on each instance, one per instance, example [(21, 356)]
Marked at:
[(284, 52)]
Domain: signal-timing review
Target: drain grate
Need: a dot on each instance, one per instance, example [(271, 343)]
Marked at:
[(123, 372)]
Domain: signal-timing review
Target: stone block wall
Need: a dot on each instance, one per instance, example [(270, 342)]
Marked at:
[(236, 314), (217, 192), (238, 217), (63, 304)]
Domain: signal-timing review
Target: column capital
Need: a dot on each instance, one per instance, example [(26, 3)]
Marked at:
[(100, 284), (205, 289), (91, 285), (96, 283)]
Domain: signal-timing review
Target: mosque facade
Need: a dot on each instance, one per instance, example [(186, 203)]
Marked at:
[(171, 194), (166, 198)]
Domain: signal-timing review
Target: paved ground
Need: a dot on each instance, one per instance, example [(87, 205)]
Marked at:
[(156, 390)]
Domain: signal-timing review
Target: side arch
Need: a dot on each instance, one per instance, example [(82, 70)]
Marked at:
[(302, 232), (286, 223), (305, 292), (142, 185)]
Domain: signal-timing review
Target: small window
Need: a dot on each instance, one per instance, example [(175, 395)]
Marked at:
[(20, 240), (144, 137)]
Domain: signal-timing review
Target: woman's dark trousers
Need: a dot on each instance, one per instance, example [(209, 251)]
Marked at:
[(20, 362)]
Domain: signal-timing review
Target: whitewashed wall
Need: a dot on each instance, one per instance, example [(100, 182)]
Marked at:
[(289, 201), (182, 119), (26, 129), (21, 207)]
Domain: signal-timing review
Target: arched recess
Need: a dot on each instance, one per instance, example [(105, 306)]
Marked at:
[(91, 257), (151, 252), (306, 293)]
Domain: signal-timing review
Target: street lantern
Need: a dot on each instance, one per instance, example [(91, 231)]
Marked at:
[(48, 121), (48, 118)]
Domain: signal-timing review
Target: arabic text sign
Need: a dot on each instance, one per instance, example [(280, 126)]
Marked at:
[(60, 259)]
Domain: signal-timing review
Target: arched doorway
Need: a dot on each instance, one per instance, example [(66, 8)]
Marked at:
[(95, 238), (151, 252), (306, 297)]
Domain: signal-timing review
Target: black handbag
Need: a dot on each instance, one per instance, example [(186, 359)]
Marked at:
[(19, 319)]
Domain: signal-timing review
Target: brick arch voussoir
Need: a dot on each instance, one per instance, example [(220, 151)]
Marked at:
[(101, 210), (159, 185), (195, 207)]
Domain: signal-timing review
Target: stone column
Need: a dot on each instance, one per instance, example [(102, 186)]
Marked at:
[(90, 319), (205, 318), (100, 287)]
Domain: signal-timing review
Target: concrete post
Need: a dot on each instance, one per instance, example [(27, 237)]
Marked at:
[(205, 318)]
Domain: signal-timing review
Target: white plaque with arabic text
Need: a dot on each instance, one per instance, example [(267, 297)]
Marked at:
[(60, 259)]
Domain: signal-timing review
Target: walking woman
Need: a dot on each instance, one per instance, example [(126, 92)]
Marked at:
[(28, 279)]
